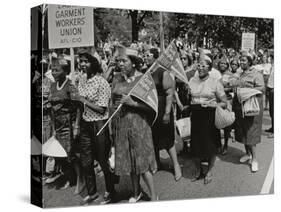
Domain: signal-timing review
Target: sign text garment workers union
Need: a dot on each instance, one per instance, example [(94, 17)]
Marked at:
[(70, 26)]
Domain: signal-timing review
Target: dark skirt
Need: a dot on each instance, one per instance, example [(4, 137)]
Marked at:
[(247, 129), (163, 134), (204, 134)]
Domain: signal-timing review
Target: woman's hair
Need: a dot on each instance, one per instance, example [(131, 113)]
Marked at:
[(65, 64), (190, 60), (95, 66), (136, 61), (249, 58), (66, 68), (155, 52)]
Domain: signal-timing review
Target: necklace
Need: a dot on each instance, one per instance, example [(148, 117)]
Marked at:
[(63, 84)]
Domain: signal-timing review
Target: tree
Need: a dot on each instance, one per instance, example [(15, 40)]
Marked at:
[(137, 17)]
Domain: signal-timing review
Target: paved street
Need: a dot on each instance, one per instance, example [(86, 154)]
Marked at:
[(230, 178)]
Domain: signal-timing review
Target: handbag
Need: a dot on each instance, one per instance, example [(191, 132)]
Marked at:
[(183, 126), (251, 107), (223, 118)]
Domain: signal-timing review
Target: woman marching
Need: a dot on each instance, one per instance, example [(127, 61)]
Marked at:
[(223, 67), (163, 130), (248, 129), (95, 94), (134, 152), (65, 116), (207, 93)]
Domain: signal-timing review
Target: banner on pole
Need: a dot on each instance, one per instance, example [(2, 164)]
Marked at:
[(70, 26), (170, 60), (145, 90), (248, 41)]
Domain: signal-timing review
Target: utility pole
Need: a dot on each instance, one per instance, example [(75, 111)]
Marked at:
[(161, 32)]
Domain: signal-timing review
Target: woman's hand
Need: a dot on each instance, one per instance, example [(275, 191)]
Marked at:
[(181, 107), (222, 105), (82, 99), (166, 118), (127, 100)]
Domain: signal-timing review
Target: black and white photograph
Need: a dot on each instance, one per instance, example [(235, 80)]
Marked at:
[(134, 106)]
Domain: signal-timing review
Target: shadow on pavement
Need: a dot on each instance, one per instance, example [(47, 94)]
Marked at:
[(233, 155)]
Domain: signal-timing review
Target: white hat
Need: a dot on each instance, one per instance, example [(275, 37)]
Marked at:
[(36, 147), (53, 148)]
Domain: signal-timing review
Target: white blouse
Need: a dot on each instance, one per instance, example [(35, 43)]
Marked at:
[(206, 91)]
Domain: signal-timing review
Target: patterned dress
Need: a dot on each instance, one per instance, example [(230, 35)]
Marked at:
[(134, 151), (64, 109)]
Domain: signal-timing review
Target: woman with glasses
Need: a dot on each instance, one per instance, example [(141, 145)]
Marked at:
[(207, 93)]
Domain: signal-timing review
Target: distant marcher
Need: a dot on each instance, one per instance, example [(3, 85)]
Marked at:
[(270, 87), (223, 67)]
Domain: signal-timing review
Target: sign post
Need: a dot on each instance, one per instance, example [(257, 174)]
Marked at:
[(69, 27), (248, 42)]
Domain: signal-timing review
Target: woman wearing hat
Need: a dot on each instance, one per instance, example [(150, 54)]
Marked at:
[(207, 93), (248, 129), (134, 152), (95, 95), (65, 114)]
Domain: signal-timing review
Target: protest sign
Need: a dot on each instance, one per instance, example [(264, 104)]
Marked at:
[(70, 26), (170, 60), (248, 41)]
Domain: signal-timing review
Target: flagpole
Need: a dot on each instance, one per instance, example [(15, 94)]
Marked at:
[(106, 123)]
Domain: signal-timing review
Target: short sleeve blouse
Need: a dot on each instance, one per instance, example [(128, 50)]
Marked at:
[(206, 91)]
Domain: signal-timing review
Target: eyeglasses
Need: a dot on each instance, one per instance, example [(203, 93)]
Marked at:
[(202, 66), (183, 58)]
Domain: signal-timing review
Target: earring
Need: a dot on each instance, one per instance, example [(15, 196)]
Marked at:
[(133, 65)]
